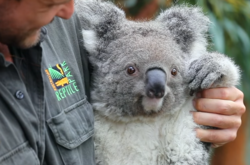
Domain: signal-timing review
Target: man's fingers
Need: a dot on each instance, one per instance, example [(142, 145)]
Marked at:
[(214, 120), (221, 108), (216, 136), (217, 106), (218, 145), (222, 93)]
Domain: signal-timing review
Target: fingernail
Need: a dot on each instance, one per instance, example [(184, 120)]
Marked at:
[(215, 146)]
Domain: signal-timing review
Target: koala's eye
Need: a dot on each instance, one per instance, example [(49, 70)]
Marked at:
[(174, 72), (131, 70)]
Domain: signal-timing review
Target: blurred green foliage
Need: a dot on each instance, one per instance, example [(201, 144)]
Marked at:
[(229, 32), (134, 6)]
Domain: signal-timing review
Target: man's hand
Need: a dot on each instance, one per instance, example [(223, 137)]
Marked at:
[(221, 108)]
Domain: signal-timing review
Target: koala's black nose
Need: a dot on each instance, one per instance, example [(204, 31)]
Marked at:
[(155, 83)]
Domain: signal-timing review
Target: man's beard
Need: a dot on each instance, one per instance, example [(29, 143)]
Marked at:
[(22, 40), (29, 40)]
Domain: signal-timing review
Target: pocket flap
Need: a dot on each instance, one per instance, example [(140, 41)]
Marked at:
[(73, 125), (23, 154)]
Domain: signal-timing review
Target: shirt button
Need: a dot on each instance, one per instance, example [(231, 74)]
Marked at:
[(19, 95)]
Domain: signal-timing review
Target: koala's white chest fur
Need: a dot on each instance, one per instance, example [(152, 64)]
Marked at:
[(163, 140)]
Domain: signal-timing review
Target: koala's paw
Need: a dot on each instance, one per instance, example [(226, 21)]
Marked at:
[(203, 73)]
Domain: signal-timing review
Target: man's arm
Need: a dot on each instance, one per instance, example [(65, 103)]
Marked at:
[(221, 108)]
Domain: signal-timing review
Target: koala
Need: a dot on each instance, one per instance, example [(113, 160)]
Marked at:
[(145, 76)]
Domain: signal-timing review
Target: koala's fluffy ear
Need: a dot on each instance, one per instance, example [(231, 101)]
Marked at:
[(189, 27), (99, 21)]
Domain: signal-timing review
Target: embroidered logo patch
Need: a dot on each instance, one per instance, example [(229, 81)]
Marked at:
[(61, 80)]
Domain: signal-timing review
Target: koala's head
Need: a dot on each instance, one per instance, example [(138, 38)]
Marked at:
[(139, 66)]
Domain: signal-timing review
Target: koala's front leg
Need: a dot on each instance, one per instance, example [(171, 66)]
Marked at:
[(211, 70)]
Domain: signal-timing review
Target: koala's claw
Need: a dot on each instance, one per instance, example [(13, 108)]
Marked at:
[(203, 74), (204, 82)]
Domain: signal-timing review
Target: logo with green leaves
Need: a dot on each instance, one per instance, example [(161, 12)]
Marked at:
[(62, 81)]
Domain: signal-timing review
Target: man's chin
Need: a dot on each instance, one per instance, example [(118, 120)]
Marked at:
[(30, 40)]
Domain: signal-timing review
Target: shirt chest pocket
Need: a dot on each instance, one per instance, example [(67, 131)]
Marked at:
[(21, 155), (73, 125)]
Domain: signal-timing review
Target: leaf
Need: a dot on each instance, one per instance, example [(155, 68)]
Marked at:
[(217, 34)]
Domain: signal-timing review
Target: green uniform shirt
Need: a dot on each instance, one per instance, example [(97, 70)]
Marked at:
[(45, 117)]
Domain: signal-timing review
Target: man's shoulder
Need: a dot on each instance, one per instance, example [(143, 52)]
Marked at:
[(64, 31)]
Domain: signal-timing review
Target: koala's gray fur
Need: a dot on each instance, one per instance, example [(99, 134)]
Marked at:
[(144, 117)]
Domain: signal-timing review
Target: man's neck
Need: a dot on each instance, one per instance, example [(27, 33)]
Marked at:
[(5, 51)]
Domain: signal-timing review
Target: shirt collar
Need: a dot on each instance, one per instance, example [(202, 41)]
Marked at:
[(3, 62), (43, 34)]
